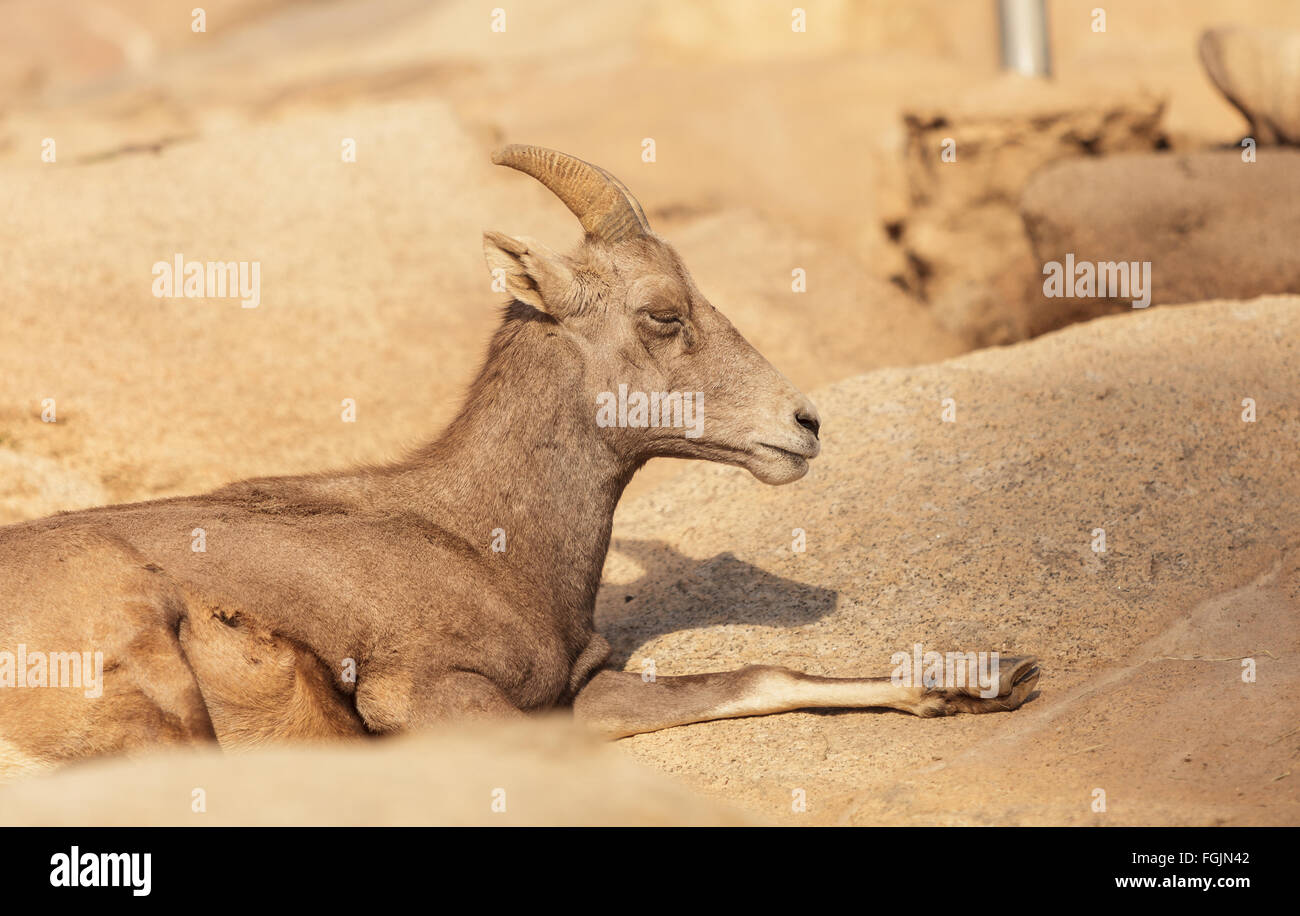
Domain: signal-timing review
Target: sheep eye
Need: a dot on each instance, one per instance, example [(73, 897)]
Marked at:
[(664, 324)]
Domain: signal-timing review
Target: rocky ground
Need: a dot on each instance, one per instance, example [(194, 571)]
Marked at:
[(775, 151), (982, 532)]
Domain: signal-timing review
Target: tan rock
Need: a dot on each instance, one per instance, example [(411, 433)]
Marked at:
[(541, 773), (966, 160), (979, 535), (1209, 224)]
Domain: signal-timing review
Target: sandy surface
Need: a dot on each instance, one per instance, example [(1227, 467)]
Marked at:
[(523, 774), (977, 535), (775, 151)]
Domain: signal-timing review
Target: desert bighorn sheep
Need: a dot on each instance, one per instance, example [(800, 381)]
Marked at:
[(369, 601)]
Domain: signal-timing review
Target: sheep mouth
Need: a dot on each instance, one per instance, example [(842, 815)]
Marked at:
[(800, 456), (773, 464)]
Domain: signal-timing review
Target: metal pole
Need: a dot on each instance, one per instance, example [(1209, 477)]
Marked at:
[(1023, 28)]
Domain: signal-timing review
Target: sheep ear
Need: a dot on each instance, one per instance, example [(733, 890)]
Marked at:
[(527, 270)]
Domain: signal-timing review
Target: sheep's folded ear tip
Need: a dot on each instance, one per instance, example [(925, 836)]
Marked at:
[(499, 240)]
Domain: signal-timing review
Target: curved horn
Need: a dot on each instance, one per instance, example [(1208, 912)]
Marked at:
[(602, 203)]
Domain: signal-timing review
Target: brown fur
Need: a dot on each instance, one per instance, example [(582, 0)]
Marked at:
[(390, 569)]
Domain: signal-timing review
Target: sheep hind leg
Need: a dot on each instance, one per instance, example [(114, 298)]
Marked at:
[(617, 704), (122, 683)]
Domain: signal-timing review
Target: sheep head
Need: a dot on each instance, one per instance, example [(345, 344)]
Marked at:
[(664, 373)]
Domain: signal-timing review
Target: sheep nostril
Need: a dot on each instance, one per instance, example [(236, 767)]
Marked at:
[(812, 424)]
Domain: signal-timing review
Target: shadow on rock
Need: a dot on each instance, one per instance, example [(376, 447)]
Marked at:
[(676, 592)]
